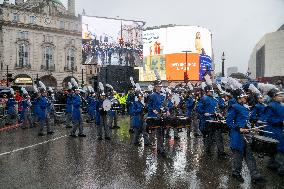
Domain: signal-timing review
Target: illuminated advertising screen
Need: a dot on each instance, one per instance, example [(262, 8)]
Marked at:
[(176, 66), (112, 41), (205, 66), (163, 53)]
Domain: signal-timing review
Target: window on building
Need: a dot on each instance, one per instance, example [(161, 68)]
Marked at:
[(16, 17), (47, 39), (70, 59), (23, 34), (32, 19), (91, 71), (61, 24), (48, 58), (23, 56)]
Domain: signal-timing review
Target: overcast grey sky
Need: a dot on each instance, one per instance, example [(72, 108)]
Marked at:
[(236, 25)]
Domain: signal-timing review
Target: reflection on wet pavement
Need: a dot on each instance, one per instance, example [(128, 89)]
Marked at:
[(65, 162)]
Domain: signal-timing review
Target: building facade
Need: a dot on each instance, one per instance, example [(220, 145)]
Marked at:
[(267, 58), (40, 39)]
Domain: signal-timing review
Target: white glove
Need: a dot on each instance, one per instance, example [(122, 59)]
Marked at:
[(207, 114)]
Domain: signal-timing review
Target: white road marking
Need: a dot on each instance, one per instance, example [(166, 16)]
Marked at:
[(31, 146)]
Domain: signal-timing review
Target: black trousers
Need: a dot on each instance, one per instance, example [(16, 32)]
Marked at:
[(247, 155), (210, 137)]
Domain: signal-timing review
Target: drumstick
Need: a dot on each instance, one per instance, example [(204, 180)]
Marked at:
[(246, 139), (256, 128), (266, 132)]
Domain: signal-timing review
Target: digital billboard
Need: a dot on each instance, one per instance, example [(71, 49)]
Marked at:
[(176, 66), (163, 51), (112, 41)]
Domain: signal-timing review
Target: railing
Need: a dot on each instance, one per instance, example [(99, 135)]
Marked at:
[(50, 67), (28, 66)]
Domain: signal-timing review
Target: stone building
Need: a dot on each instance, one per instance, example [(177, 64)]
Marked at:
[(40, 39), (267, 58)]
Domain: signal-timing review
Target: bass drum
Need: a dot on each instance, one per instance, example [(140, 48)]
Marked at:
[(264, 145), (107, 105)]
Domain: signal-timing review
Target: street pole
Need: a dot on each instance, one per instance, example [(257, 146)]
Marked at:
[(186, 64), (82, 77), (223, 62), (7, 75)]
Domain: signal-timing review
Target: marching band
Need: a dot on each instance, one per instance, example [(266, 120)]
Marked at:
[(251, 114)]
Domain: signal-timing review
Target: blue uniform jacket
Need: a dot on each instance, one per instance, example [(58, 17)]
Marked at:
[(189, 104), (11, 104), (36, 106), (43, 105), (136, 111), (155, 103), (231, 102), (206, 104), (237, 118), (91, 105), (25, 106), (221, 103), (130, 100), (76, 113), (275, 118), (169, 105), (258, 112), (69, 103), (50, 108)]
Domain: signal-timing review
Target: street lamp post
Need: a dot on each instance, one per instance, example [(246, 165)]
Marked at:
[(223, 62), (82, 77), (185, 73), (7, 76)]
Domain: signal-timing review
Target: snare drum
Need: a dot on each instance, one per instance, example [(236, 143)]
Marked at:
[(183, 122), (213, 125), (170, 122), (154, 122), (264, 145)]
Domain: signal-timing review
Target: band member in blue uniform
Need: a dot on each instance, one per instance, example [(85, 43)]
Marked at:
[(154, 110), (275, 121), (11, 110), (112, 113), (77, 115), (26, 111), (169, 108), (101, 119), (237, 118), (207, 107), (36, 108), (129, 102), (43, 113), (258, 112), (189, 107), (137, 112), (91, 106)]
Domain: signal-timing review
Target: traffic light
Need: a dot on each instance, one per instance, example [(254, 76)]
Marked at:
[(10, 77)]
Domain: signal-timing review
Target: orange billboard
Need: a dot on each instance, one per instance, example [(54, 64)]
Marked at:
[(176, 66)]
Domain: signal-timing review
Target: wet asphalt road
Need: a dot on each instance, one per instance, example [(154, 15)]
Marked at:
[(58, 161)]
